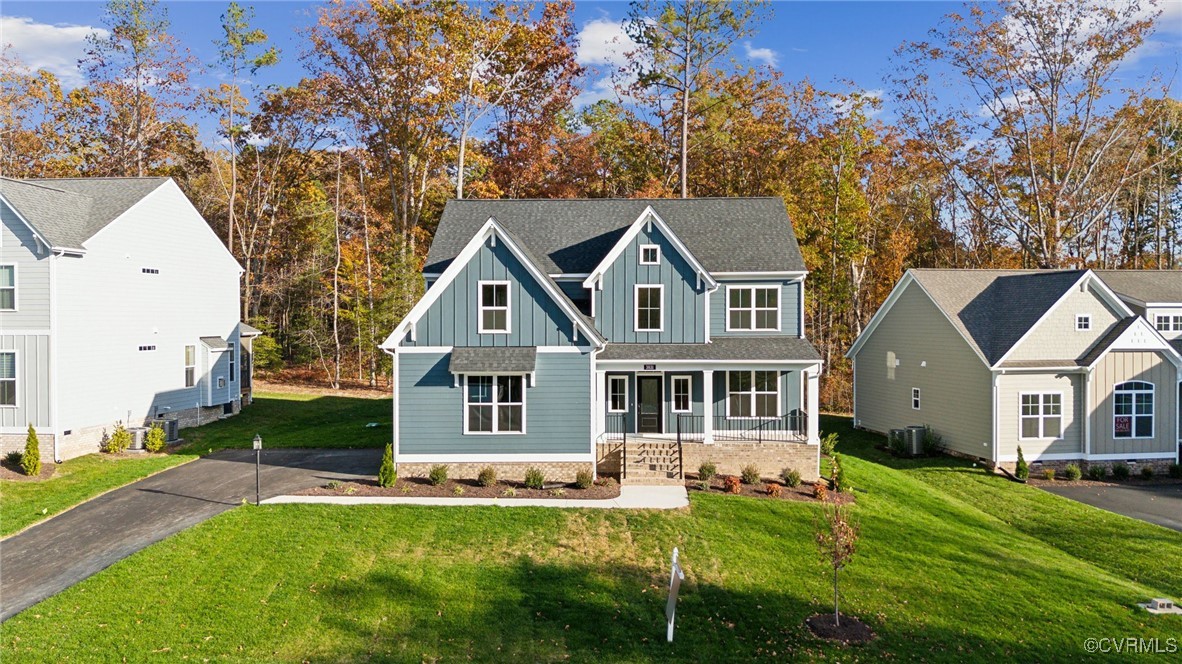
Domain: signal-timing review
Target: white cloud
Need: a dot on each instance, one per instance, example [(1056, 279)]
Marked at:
[(55, 48), (762, 55), (604, 42), (599, 90), (871, 108)]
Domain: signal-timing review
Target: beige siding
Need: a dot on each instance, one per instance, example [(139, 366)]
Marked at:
[(955, 385), (1056, 338), (1118, 367), (1010, 387)]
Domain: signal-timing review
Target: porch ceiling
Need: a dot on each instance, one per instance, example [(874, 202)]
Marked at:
[(756, 349)]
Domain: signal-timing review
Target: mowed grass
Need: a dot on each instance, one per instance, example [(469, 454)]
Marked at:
[(284, 420), (940, 575)]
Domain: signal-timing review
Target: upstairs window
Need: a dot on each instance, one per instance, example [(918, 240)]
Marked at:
[(753, 308), (1083, 322), (494, 404), (648, 308), (1041, 415), (1132, 412), (7, 288), (1169, 323), (650, 254), (753, 394), (190, 366), (7, 378), (494, 307)]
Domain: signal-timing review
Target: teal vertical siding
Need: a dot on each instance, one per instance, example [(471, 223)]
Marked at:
[(790, 324), (789, 392), (557, 409)]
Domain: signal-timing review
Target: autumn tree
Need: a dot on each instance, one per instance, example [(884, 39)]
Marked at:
[(837, 539)]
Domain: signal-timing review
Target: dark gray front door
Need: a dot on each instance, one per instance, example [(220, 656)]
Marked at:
[(648, 404)]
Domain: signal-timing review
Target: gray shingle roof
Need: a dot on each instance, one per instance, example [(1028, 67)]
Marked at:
[(1145, 285), (69, 211), (247, 330), (1105, 341), (215, 343), (512, 359), (571, 236), (719, 348)]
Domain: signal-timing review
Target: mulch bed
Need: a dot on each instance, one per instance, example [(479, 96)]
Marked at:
[(851, 629), (16, 474), (421, 487), (803, 493)]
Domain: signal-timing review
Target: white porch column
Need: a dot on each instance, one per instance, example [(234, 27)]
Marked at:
[(812, 376), (598, 396), (708, 406)]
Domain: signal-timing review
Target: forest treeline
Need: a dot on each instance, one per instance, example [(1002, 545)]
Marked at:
[(1011, 136)]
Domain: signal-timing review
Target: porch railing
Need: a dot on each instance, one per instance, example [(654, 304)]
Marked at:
[(785, 428), (616, 428)]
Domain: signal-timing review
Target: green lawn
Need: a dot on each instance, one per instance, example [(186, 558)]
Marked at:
[(954, 565), (284, 420)]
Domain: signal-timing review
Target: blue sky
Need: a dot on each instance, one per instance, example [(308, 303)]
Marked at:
[(826, 42)]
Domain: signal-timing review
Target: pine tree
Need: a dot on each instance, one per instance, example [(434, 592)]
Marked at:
[(387, 475), (31, 461)]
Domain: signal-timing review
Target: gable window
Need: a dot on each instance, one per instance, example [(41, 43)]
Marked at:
[(915, 401), (494, 307), (1041, 415), (617, 394), (648, 307), (1083, 322), (233, 361), (190, 366), (7, 288), (7, 378), (681, 394), (1132, 412), (650, 254), (753, 308), (753, 394), (494, 404)]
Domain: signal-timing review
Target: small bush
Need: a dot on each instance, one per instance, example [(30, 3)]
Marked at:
[(534, 478), (387, 474), (438, 475), (732, 484), (840, 482), (583, 479), (105, 443), (558, 493), (820, 492), (933, 443), (1175, 470), (791, 477), (118, 441), (1097, 473), (703, 486), (457, 490), (509, 492), (1072, 472), (1048, 474), (897, 444), (333, 485), (31, 459), (707, 471), (775, 490), (750, 474), (13, 459), (487, 477), (1021, 469), (1121, 471), (829, 444), (1146, 472), (350, 490), (156, 439)]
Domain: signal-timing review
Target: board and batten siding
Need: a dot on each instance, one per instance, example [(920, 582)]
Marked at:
[(535, 318), (684, 306), (956, 387), (1056, 338), (32, 383), (431, 409), (789, 310), (1120, 366), (789, 392), (1010, 387), (19, 247)]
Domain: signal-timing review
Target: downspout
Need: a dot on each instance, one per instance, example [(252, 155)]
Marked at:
[(53, 343), (1087, 412), (994, 443)]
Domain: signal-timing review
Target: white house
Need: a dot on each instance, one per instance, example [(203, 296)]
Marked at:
[(118, 303)]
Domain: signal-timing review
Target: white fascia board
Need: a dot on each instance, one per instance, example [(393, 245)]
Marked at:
[(1155, 342), (721, 365), (794, 275), (649, 214)]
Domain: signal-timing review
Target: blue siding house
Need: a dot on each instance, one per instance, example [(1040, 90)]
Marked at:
[(629, 337)]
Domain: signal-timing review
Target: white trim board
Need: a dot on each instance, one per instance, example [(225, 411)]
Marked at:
[(493, 458), (648, 216), (1004, 458)]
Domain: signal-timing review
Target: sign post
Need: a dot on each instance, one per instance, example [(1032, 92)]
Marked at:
[(676, 576), (258, 451)]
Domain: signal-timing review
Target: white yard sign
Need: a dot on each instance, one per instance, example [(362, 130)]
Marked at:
[(676, 576)]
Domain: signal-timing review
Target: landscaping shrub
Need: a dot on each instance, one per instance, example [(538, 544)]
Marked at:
[(583, 479), (1146, 472), (387, 475), (819, 491), (558, 493), (13, 459), (1097, 473), (707, 471), (933, 443), (775, 490), (732, 484), (1048, 474), (438, 475), (509, 492), (31, 459), (118, 441), (1021, 469), (791, 477), (750, 474), (1175, 470), (487, 477), (1120, 471), (534, 478), (156, 439), (703, 486), (829, 444), (840, 482), (333, 485), (457, 490), (1072, 472), (897, 445)]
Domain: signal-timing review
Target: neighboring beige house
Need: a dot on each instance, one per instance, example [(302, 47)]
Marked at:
[(1071, 365)]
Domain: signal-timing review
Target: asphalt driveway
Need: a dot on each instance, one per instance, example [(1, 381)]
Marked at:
[(1160, 504), (52, 556)]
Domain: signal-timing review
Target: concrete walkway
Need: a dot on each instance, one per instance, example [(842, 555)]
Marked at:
[(631, 497), (51, 556), (1160, 504)]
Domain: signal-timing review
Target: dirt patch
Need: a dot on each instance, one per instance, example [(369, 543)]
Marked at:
[(301, 382), (805, 492), (15, 474), (421, 487), (851, 630)]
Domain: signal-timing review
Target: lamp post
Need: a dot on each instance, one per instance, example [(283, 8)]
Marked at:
[(258, 451)]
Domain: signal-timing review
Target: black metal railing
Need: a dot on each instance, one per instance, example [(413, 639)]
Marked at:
[(792, 427), (616, 428)]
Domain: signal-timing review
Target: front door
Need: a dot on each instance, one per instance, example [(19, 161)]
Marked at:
[(648, 404)]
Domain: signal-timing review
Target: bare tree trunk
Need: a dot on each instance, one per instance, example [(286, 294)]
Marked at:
[(336, 288)]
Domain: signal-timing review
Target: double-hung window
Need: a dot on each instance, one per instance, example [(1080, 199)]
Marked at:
[(1167, 323), (650, 254), (681, 394), (648, 307), (617, 394), (233, 361), (1041, 415), (916, 401), (7, 378), (494, 307), (753, 394), (190, 366), (1132, 413), (7, 288), (753, 308), (495, 404)]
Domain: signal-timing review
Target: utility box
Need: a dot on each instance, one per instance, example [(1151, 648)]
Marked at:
[(913, 441)]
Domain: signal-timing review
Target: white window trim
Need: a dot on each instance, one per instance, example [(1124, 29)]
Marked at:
[(494, 403), (480, 306), (188, 366), (233, 360), (16, 379), (1176, 319), (1083, 322), (1161, 319), (636, 307), (1152, 415), (916, 399), (753, 392), (1041, 416), (16, 305), (673, 380), (754, 309), (609, 394), (640, 256)]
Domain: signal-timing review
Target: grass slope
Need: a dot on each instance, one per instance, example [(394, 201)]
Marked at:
[(941, 575)]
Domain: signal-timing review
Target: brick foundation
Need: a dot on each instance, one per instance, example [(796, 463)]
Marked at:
[(11, 442), (770, 458), (564, 471)]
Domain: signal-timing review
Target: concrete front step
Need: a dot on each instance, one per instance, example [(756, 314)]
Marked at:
[(652, 481)]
